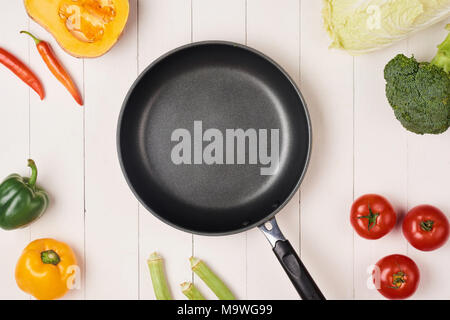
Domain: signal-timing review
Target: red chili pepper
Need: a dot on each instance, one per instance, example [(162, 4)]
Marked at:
[(22, 71), (52, 62)]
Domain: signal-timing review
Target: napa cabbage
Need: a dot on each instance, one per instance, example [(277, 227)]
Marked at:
[(360, 26)]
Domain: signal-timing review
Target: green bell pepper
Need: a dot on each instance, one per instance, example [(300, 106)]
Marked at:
[(21, 201)]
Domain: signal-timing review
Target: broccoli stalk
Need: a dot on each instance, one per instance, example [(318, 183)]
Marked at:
[(442, 58), (419, 92)]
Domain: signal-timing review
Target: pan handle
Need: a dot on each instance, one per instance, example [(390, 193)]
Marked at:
[(289, 259)]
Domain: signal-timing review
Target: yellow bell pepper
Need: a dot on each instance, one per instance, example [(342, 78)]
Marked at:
[(46, 269)]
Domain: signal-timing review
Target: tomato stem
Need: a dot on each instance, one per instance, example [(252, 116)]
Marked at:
[(427, 225), (398, 279), (372, 217)]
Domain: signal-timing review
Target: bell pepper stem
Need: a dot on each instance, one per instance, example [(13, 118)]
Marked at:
[(50, 257), (160, 287), (36, 40), (191, 291), (34, 172), (211, 279)]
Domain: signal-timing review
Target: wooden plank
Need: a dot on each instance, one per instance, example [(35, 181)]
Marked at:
[(163, 25), (57, 147), (327, 192), (14, 142), (273, 29), (221, 20), (380, 160), (112, 230), (428, 175)]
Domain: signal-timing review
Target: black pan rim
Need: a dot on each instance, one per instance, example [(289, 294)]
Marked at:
[(185, 47)]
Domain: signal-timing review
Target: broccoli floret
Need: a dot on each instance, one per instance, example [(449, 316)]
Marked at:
[(442, 58), (419, 93)]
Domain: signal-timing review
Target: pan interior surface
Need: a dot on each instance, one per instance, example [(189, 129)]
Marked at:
[(220, 87)]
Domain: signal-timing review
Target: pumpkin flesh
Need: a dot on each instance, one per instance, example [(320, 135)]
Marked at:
[(83, 28)]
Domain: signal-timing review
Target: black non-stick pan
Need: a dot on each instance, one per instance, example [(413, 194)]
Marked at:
[(214, 138)]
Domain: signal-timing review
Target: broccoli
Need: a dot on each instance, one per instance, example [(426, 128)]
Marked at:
[(419, 92)]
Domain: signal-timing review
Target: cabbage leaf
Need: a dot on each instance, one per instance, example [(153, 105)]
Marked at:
[(360, 26)]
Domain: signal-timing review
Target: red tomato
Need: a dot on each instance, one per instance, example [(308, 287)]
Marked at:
[(426, 228), (372, 216), (398, 276)]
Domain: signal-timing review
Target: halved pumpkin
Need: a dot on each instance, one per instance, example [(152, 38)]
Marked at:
[(83, 28)]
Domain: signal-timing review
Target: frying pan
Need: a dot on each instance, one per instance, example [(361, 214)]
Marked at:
[(214, 138)]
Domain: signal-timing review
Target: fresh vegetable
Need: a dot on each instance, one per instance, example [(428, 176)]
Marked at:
[(52, 62), (211, 279), (398, 276), (361, 26), (419, 93), (46, 269), (156, 267), (442, 57), (191, 291), (426, 228), (83, 28), (22, 71), (21, 200), (372, 216)]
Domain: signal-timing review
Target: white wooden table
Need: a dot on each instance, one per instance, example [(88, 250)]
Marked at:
[(359, 147)]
